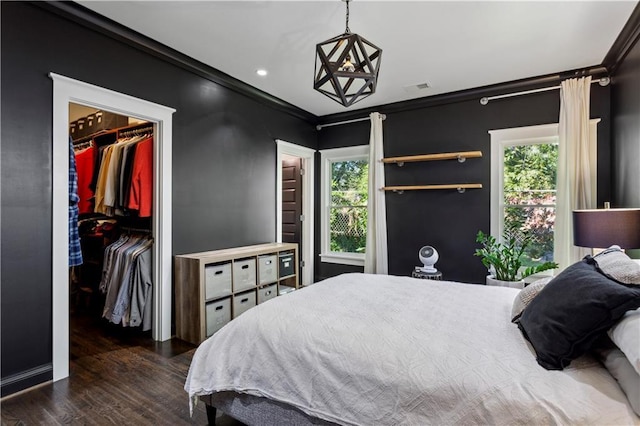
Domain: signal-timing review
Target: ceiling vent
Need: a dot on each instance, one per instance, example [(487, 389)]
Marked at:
[(417, 87)]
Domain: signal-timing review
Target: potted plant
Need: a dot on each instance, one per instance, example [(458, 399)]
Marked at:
[(504, 260)]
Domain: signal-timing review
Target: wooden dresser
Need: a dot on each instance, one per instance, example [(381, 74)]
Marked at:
[(213, 287)]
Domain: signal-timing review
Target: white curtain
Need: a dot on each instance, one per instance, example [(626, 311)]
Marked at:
[(577, 161), (375, 260)]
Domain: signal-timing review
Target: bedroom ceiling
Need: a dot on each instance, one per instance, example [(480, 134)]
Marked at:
[(448, 45)]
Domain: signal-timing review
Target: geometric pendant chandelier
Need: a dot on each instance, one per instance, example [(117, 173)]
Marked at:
[(347, 67)]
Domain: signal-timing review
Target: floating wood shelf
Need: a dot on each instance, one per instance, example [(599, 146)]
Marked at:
[(460, 156), (461, 187)]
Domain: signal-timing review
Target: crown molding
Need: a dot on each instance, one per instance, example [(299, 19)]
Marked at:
[(96, 22), (625, 41), (467, 94)]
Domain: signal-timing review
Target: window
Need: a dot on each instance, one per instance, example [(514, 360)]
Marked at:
[(523, 184), (529, 191), (345, 175)]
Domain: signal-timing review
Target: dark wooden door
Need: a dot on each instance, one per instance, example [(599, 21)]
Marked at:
[(292, 200)]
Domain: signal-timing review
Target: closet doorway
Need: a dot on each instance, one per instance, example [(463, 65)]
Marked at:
[(111, 289), (292, 190), (66, 91)]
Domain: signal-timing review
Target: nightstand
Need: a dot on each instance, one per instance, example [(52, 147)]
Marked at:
[(427, 275)]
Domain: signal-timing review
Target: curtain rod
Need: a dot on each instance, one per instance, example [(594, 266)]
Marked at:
[(337, 123), (604, 81)]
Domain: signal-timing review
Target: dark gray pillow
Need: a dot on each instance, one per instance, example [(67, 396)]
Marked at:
[(576, 307)]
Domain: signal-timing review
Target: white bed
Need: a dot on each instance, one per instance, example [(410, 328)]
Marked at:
[(363, 349)]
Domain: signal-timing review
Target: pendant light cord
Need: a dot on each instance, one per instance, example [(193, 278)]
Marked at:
[(347, 30)]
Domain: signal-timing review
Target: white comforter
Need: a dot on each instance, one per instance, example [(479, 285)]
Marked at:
[(381, 350)]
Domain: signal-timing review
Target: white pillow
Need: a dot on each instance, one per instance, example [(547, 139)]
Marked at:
[(615, 264), (626, 335), (620, 368)]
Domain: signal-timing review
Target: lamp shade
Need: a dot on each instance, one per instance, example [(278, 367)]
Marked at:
[(606, 227)]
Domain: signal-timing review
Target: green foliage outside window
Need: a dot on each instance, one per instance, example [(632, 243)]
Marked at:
[(348, 211), (530, 198)]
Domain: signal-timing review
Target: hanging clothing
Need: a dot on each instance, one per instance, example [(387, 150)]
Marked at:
[(96, 170), (126, 282), (113, 176), (108, 265), (120, 312), (126, 172), (100, 206), (140, 310), (141, 192), (85, 160), (75, 251), (124, 184)]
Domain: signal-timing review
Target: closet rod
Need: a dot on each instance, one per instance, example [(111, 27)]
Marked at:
[(135, 126), (81, 145), (146, 126), (136, 131), (337, 123), (131, 229), (88, 138), (604, 81)]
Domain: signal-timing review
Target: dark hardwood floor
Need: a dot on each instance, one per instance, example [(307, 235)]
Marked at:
[(118, 376)]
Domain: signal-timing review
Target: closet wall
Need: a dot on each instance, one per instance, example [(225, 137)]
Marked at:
[(446, 219), (224, 164)]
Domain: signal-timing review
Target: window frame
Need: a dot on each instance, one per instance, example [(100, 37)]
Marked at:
[(501, 139), (327, 157), (528, 135)]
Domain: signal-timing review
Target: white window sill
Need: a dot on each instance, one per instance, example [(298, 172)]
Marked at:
[(343, 258)]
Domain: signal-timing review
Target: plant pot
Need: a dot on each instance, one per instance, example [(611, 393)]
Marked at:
[(500, 283)]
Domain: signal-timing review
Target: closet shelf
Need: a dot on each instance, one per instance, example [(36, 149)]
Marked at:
[(461, 187), (460, 156)]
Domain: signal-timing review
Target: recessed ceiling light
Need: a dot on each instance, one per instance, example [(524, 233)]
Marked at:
[(261, 72)]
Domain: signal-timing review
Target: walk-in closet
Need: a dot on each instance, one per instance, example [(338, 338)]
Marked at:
[(111, 171)]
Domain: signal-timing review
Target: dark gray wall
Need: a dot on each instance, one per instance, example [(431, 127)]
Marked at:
[(625, 100), (224, 165), (446, 219)]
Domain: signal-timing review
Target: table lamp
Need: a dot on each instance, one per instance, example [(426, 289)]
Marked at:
[(602, 228)]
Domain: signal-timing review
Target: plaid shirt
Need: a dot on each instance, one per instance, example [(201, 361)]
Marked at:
[(75, 252)]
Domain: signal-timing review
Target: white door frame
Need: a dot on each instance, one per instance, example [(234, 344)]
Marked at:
[(308, 161), (67, 90)]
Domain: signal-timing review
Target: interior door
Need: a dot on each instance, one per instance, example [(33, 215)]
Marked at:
[(291, 200)]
